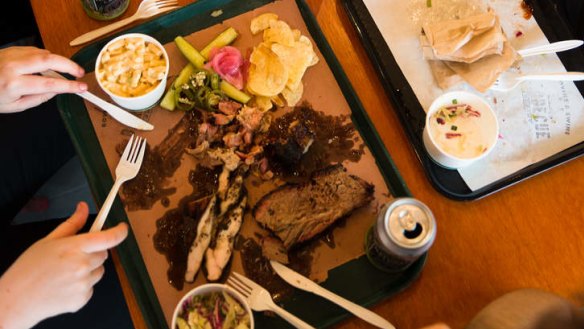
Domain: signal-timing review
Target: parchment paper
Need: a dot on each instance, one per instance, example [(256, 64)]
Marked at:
[(536, 119), (320, 89)]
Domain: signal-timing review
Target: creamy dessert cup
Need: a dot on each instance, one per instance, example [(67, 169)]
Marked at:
[(461, 128), (137, 102)]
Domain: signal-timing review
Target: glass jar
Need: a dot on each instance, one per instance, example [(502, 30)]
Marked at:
[(104, 10)]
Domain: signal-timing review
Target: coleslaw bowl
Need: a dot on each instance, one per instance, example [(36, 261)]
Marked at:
[(188, 301)]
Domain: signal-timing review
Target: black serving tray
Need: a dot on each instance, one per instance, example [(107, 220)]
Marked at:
[(412, 115)]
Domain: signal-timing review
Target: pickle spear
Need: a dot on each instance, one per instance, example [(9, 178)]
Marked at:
[(197, 61), (223, 39)]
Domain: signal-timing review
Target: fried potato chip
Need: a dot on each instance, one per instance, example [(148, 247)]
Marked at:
[(304, 40), (292, 97), (278, 100), (262, 22), (297, 34), (297, 59), (279, 32), (263, 103), (267, 74), (278, 64)]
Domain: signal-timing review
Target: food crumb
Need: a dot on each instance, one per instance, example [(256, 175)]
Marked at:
[(217, 13)]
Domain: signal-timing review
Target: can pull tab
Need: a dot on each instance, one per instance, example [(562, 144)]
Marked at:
[(412, 229)]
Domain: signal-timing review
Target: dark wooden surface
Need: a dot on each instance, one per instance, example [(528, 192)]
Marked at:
[(528, 235)]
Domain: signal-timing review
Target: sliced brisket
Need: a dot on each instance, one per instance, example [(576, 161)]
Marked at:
[(296, 213)]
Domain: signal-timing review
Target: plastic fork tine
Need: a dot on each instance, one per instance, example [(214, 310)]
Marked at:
[(128, 148), (238, 287), (142, 151), (165, 9), (146, 9), (238, 283), (166, 2), (245, 281), (135, 150), (259, 299)]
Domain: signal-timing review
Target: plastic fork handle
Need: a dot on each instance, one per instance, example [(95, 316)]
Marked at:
[(103, 30), (107, 205), (561, 76), (551, 48), (291, 318)]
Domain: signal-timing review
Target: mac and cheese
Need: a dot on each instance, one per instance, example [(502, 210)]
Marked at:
[(131, 67)]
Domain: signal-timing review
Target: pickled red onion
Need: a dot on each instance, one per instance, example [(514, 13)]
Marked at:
[(227, 62)]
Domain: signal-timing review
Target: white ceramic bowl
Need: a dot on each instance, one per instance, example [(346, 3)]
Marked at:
[(485, 126), (145, 101), (207, 289)]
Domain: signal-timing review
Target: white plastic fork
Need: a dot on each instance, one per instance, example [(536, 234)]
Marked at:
[(127, 168), (147, 8), (259, 299), (508, 81)]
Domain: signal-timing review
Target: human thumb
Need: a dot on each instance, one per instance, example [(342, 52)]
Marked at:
[(73, 224)]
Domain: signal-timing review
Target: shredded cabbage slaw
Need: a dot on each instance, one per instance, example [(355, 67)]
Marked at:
[(215, 310)]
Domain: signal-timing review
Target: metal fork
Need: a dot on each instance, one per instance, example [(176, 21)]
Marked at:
[(508, 81), (147, 8), (127, 169), (259, 299)]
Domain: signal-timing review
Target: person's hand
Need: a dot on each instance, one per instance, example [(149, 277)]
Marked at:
[(56, 274), (20, 85)]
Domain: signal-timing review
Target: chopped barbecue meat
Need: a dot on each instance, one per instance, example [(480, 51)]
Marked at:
[(298, 212), (229, 107), (222, 119), (228, 156), (232, 140)]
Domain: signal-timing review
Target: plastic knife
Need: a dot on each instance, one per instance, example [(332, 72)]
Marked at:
[(116, 112), (301, 282)]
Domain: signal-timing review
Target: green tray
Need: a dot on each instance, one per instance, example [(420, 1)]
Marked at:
[(368, 285)]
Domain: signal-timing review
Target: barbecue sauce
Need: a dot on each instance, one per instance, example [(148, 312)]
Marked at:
[(177, 229), (257, 267), (160, 164)]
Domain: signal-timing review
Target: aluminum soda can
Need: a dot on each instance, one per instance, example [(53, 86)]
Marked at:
[(404, 230)]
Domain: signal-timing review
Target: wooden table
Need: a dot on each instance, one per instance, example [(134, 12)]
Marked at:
[(528, 235)]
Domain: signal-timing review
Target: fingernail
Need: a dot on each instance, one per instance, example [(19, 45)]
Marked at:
[(83, 87), (78, 206)]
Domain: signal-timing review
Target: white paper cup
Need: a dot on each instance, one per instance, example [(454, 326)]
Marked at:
[(207, 289), (488, 125), (142, 102)]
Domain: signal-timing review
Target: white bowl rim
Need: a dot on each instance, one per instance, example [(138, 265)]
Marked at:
[(440, 101), (130, 35), (213, 287)]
